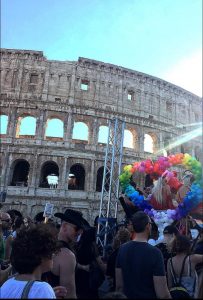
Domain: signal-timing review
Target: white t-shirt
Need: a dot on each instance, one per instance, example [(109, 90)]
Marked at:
[(13, 288)]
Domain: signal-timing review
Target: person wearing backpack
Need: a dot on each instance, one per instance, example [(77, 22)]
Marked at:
[(182, 276)]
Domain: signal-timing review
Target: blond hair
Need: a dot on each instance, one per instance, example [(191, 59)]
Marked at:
[(157, 190)]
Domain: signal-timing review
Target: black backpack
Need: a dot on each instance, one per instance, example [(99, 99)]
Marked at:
[(178, 291)]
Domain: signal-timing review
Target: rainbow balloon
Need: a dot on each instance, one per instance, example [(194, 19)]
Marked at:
[(156, 169)]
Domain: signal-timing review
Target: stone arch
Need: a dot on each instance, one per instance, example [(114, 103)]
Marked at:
[(103, 134), (54, 128), (20, 172), (3, 124), (100, 172), (128, 139), (26, 126), (35, 209), (78, 171), (80, 131), (99, 182), (48, 168), (149, 142)]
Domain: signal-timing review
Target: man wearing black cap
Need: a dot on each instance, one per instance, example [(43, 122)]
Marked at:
[(64, 263)]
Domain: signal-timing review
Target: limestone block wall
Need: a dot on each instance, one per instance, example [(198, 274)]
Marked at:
[(32, 85)]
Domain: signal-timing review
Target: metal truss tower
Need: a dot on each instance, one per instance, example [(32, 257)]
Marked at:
[(110, 185)]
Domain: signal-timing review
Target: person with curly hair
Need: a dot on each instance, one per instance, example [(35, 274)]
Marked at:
[(31, 255)]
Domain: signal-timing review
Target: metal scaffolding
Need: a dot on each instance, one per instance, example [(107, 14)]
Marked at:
[(110, 185)]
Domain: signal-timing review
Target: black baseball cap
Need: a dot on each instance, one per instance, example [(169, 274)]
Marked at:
[(71, 216), (170, 229)]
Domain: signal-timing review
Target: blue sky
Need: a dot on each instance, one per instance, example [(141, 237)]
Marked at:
[(158, 37)]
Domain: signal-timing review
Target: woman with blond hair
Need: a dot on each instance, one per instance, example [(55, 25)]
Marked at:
[(162, 198)]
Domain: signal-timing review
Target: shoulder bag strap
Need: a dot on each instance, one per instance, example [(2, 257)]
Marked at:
[(26, 289), (182, 269), (195, 281), (173, 273), (190, 274), (190, 267)]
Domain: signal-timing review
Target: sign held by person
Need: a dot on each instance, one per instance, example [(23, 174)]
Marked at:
[(48, 211)]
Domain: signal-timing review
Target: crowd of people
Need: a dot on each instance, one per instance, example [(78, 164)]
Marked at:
[(61, 259)]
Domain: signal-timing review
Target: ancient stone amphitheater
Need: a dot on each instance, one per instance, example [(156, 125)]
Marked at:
[(77, 98)]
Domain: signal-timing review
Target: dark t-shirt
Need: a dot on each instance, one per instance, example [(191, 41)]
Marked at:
[(139, 262)]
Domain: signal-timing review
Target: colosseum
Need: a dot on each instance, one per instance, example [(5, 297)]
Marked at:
[(77, 98)]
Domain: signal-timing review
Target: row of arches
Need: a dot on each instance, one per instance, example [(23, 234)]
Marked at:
[(49, 175), (55, 128)]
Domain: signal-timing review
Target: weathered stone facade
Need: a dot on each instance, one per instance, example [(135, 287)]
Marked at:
[(31, 85)]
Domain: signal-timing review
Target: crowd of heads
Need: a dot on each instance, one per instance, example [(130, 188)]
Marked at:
[(35, 240)]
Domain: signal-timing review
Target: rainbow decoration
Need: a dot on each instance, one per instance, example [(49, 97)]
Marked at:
[(157, 169)]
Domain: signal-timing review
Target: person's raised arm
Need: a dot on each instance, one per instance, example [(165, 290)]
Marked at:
[(169, 275)]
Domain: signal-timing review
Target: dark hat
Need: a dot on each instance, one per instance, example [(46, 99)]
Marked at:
[(15, 212), (39, 217), (170, 229), (71, 216)]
